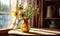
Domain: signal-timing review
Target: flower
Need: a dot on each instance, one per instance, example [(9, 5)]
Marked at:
[(15, 14), (20, 7), (26, 13), (22, 15)]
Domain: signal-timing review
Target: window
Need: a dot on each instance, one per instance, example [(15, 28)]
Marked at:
[(5, 10), (6, 7)]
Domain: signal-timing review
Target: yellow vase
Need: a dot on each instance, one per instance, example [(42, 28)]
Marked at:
[(25, 27)]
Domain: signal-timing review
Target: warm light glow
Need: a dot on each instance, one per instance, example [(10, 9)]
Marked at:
[(19, 32), (5, 2), (19, 2), (35, 30), (13, 4), (44, 33), (25, 4), (45, 30)]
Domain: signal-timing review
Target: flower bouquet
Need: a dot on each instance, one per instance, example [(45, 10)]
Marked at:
[(25, 14)]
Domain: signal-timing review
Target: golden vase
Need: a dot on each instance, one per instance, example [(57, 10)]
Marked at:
[(25, 27)]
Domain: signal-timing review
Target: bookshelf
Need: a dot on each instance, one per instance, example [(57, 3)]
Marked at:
[(49, 14)]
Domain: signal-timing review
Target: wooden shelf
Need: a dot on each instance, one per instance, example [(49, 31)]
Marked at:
[(52, 0), (53, 18), (42, 19)]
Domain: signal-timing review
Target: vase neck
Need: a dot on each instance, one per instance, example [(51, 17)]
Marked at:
[(26, 21)]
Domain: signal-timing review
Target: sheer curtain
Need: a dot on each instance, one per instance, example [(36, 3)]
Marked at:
[(14, 5)]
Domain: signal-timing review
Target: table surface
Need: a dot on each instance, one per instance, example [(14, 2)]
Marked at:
[(35, 31)]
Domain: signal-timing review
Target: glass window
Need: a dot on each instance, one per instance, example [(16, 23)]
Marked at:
[(4, 5), (5, 9)]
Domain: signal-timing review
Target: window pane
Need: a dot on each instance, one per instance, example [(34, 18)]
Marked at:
[(5, 17), (4, 5), (5, 21), (1, 23)]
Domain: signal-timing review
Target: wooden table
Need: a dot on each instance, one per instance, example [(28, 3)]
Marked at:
[(33, 32)]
